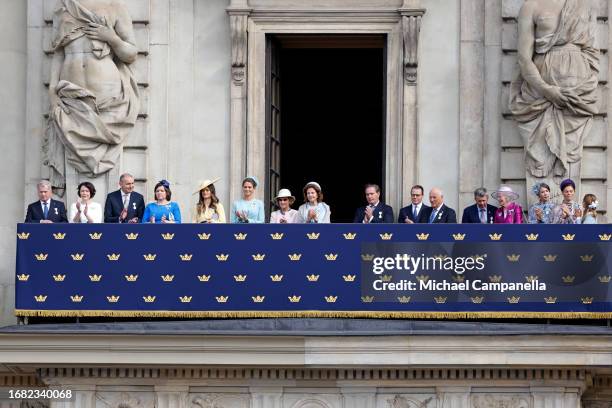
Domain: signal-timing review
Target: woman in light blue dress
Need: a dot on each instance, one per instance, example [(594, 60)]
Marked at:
[(314, 210), (542, 211), (248, 210), (162, 210)]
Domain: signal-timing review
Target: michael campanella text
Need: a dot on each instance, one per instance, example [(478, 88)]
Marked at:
[(444, 285)]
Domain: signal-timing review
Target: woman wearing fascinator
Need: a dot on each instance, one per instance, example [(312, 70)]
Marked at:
[(208, 210), (508, 212), (569, 211), (589, 208), (248, 210), (542, 211), (162, 210)]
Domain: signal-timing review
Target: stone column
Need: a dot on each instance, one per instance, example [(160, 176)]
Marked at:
[(555, 397), (266, 397), (453, 397), (171, 396)]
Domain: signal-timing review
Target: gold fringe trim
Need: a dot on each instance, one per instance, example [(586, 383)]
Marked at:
[(314, 313)]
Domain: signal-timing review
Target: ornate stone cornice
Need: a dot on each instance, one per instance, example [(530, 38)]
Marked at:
[(239, 13), (411, 29)]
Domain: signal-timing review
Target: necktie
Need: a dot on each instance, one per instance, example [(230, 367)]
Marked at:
[(126, 200), (483, 216), (414, 213), (432, 217), (45, 209)]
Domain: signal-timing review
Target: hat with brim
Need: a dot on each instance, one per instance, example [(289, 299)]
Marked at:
[(284, 193), (206, 183), (314, 184), (506, 191)]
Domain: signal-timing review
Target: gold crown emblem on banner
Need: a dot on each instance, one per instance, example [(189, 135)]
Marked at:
[(476, 256), (513, 257), (605, 279), (349, 278), (440, 299), (495, 236), (59, 235), (532, 237), (167, 236), (458, 237), (386, 236), (95, 235), (568, 279), (204, 278), (550, 299), (240, 278), (131, 236), (259, 257), (313, 235), (386, 278), (312, 278), (277, 235), (602, 237), (586, 258), (131, 278), (440, 256), (222, 257), (367, 257), (76, 298), (367, 299), (77, 257), (403, 299), (514, 299), (113, 257), (587, 300), (331, 299), (149, 257), (204, 236), (477, 299), (23, 277), (350, 235), (568, 237), (550, 258), (331, 257), (113, 299), (458, 278), (186, 257), (422, 236), (258, 298), (185, 299), (95, 278), (531, 278), (167, 278), (59, 277), (149, 299), (294, 299), (495, 278), (41, 257), (295, 257), (222, 299), (276, 278), (40, 298), (422, 278), (23, 235), (240, 236)]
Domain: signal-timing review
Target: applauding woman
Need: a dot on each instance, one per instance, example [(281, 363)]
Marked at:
[(84, 210), (162, 210), (569, 211), (542, 211), (509, 212), (249, 209), (285, 214), (208, 210), (314, 210)]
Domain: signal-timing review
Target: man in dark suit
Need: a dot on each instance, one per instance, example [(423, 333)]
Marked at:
[(417, 211), (46, 210), (124, 205), (375, 212), (480, 213), (439, 213)]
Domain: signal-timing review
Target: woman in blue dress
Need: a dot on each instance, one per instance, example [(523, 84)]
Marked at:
[(542, 211), (314, 210), (248, 210), (162, 210)]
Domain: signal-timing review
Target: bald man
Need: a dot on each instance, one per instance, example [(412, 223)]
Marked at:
[(439, 213)]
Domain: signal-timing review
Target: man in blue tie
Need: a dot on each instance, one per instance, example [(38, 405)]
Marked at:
[(439, 213), (417, 211), (46, 210), (480, 213), (375, 212)]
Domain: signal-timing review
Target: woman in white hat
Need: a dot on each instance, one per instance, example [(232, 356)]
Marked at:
[(208, 209), (285, 214), (314, 210), (508, 212)]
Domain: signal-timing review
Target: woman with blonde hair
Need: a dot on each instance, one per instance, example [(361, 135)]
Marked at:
[(208, 210), (589, 209)]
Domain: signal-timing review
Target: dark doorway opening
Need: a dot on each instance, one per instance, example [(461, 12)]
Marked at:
[(332, 117)]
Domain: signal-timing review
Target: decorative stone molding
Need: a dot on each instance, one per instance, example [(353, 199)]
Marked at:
[(400, 401), (238, 29), (411, 28), (501, 401)]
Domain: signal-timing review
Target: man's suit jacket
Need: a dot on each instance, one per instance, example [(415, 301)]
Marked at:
[(383, 214), (56, 213), (114, 206), (445, 215), (471, 214), (406, 212)]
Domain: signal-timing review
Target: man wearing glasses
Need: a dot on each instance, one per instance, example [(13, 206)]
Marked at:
[(415, 213)]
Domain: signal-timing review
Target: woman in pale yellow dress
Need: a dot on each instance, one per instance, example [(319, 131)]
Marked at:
[(208, 210)]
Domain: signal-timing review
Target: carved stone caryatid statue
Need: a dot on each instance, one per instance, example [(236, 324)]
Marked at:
[(93, 93), (555, 96)]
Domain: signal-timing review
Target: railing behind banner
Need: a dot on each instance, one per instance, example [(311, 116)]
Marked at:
[(337, 270)]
